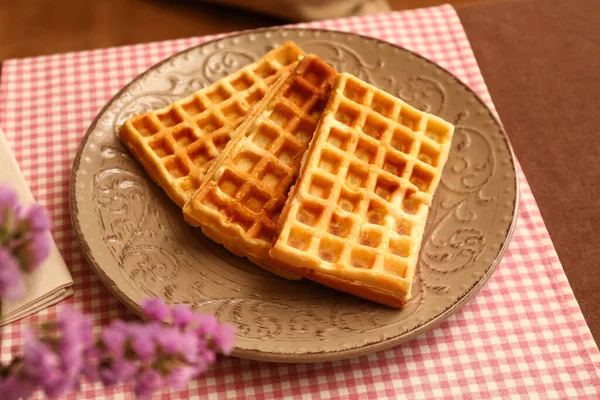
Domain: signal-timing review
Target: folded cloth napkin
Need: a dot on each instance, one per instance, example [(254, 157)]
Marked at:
[(51, 282), (310, 10)]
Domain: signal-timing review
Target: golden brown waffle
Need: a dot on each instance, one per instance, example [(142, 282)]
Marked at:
[(177, 143), (245, 189), (355, 219)]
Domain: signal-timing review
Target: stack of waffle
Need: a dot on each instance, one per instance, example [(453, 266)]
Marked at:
[(327, 177)]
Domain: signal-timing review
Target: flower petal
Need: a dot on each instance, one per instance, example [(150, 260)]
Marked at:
[(148, 382), (183, 315), (155, 309), (12, 285), (224, 338), (37, 218)]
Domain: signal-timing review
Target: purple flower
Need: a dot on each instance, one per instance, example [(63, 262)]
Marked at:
[(224, 338), (180, 377), (190, 345), (40, 362), (182, 315), (155, 354), (148, 382), (12, 285), (148, 355), (119, 370), (55, 362), (24, 241), (155, 309), (113, 338), (16, 387), (36, 218), (124, 345), (8, 197), (143, 340), (34, 251), (205, 358), (90, 367), (205, 324), (8, 205), (169, 340), (76, 340)]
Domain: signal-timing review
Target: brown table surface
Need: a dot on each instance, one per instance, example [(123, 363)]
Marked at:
[(540, 60)]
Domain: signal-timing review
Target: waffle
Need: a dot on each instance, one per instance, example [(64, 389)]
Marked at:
[(177, 143), (244, 191), (355, 219)]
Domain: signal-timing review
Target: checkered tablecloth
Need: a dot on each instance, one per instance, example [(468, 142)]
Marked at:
[(523, 335)]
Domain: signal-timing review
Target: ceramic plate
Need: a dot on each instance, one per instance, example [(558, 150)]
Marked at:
[(136, 240)]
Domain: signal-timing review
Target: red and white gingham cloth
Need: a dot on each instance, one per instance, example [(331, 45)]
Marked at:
[(523, 335)]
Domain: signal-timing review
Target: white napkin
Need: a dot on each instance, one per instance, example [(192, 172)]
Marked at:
[(51, 282)]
